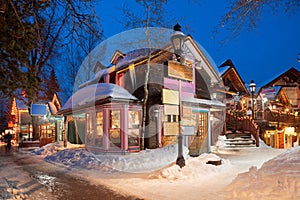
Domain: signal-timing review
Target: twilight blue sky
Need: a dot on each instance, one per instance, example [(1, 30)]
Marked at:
[(260, 54)]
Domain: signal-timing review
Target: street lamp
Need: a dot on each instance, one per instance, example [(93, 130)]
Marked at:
[(252, 87), (156, 115), (177, 40)]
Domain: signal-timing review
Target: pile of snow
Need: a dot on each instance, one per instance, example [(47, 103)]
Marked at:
[(77, 156), (55, 147), (278, 178), (143, 161), (196, 168)]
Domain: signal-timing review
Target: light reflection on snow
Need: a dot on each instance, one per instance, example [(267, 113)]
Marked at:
[(46, 180)]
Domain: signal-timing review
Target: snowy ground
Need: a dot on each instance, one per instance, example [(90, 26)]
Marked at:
[(245, 173)]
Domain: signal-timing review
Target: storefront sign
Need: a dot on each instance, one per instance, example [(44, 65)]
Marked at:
[(170, 97), (188, 130), (171, 128), (38, 109), (177, 70)]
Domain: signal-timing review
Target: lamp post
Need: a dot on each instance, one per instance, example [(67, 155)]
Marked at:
[(252, 87), (156, 115), (177, 41)]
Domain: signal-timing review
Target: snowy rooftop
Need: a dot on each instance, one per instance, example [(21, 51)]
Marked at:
[(91, 94)]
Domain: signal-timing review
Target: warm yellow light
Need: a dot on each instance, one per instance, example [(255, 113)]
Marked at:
[(289, 130)]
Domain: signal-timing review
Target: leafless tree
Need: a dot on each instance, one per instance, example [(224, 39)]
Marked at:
[(246, 14)]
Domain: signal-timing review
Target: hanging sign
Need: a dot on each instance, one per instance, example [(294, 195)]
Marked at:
[(38, 110)]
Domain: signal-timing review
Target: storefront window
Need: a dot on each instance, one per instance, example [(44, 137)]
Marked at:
[(133, 119), (89, 121), (115, 124), (202, 126), (133, 128), (99, 128)]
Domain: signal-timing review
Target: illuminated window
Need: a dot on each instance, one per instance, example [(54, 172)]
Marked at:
[(114, 133), (99, 129), (133, 128)]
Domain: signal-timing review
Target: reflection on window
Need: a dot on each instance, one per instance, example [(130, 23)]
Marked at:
[(133, 127), (99, 128), (89, 130), (133, 137), (99, 123), (114, 133), (133, 119), (115, 119)]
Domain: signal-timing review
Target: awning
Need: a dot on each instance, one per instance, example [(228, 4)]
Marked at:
[(206, 102)]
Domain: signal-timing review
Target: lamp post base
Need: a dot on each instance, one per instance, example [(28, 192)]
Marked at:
[(180, 161)]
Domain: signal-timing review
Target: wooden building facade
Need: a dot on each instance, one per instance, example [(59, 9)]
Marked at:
[(161, 97)]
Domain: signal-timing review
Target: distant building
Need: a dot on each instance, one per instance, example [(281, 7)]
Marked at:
[(19, 121), (278, 110)]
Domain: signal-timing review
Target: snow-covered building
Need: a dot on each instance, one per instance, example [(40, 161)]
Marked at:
[(146, 98), (19, 119), (278, 110)]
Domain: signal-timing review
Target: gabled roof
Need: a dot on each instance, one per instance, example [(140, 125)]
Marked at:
[(232, 79), (116, 57), (289, 78)]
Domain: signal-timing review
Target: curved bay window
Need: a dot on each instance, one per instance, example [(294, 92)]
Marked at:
[(113, 128)]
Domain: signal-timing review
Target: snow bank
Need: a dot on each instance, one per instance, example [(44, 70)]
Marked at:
[(278, 178), (144, 161), (77, 156), (196, 168), (52, 148)]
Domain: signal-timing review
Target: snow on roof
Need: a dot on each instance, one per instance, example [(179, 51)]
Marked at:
[(21, 104), (52, 108), (97, 76), (134, 56), (224, 69), (92, 93), (62, 96)]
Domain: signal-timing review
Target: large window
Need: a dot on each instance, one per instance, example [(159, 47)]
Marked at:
[(115, 124), (89, 129), (99, 129), (133, 128)]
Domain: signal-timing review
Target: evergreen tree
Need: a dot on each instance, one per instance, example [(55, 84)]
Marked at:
[(52, 85)]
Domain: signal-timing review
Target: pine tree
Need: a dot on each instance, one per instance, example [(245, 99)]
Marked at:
[(52, 85)]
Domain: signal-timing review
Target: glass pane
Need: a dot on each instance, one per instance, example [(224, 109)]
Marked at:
[(99, 123), (133, 119), (99, 129), (89, 129), (115, 119), (114, 134), (133, 137)]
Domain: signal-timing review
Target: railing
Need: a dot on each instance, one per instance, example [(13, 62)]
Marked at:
[(275, 116), (244, 124)]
